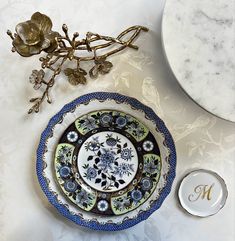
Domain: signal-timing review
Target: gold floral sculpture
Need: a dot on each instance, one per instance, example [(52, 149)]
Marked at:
[(36, 35)]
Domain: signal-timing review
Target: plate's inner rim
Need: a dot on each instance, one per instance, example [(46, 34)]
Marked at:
[(111, 110)]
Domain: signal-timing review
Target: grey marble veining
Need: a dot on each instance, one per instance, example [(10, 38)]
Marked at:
[(199, 41)]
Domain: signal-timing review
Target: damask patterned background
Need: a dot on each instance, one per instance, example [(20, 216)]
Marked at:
[(202, 140)]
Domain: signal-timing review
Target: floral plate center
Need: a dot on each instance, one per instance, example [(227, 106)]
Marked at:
[(107, 161)]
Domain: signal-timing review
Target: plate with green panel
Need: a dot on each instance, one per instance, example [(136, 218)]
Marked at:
[(107, 162)]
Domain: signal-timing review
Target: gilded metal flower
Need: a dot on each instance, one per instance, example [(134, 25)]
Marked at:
[(76, 76), (35, 35), (36, 78), (102, 66)]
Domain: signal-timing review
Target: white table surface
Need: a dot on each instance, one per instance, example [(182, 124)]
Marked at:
[(202, 140)]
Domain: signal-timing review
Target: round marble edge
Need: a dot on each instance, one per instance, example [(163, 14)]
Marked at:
[(228, 116)]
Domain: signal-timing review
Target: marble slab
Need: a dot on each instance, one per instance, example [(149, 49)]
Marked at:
[(199, 42)]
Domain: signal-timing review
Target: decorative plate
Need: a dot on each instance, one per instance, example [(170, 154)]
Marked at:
[(202, 193), (106, 161)]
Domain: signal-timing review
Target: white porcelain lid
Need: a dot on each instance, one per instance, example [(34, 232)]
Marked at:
[(202, 193)]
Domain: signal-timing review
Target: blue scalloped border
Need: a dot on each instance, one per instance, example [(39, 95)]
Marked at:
[(136, 104)]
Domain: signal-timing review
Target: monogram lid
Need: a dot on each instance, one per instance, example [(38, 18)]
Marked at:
[(202, 193)]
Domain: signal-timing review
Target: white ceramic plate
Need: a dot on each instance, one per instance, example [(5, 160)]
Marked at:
[(202, 193)]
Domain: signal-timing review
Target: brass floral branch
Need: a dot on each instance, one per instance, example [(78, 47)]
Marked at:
[(36, 35)]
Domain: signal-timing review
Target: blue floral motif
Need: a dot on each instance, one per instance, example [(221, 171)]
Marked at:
[(101, 96), (121, 203), (137, 130), (136, 195), (88, 123), (121, 121), (64, 171), (108, 154), (146, 183), (64, 154), (91, 173), (72, 136), (126, 154), (148, 145), (107, 158), (70, 186), (106, 119), (123, 169), (83, 198), (93, 145), (150, 167)]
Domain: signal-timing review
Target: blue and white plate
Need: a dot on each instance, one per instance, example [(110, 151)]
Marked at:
[(106, 161)]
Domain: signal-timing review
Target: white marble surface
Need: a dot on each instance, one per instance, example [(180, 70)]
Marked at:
[(202, 140), (199, 41)]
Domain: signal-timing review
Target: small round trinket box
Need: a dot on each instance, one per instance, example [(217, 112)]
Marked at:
[(202, 193)]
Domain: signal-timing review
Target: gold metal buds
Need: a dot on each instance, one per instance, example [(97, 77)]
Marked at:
[(36, 35)]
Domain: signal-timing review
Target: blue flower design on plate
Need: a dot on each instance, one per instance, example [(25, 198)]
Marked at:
[(126, 154), (88, 123), (121, 203), (107, 158), (150, 167), (93, 145), (113, 173), (136, 195), (72, 136), (91, 173), (64, 154), (106, 119), (136, 129), (70, 186), (83, 197), (151, 164), (146, 183), (121, 121), (102, 205), (65, 171), (123, 169), (148, 146)]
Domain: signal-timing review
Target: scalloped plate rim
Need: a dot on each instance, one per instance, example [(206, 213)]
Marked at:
[(102, 96)]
